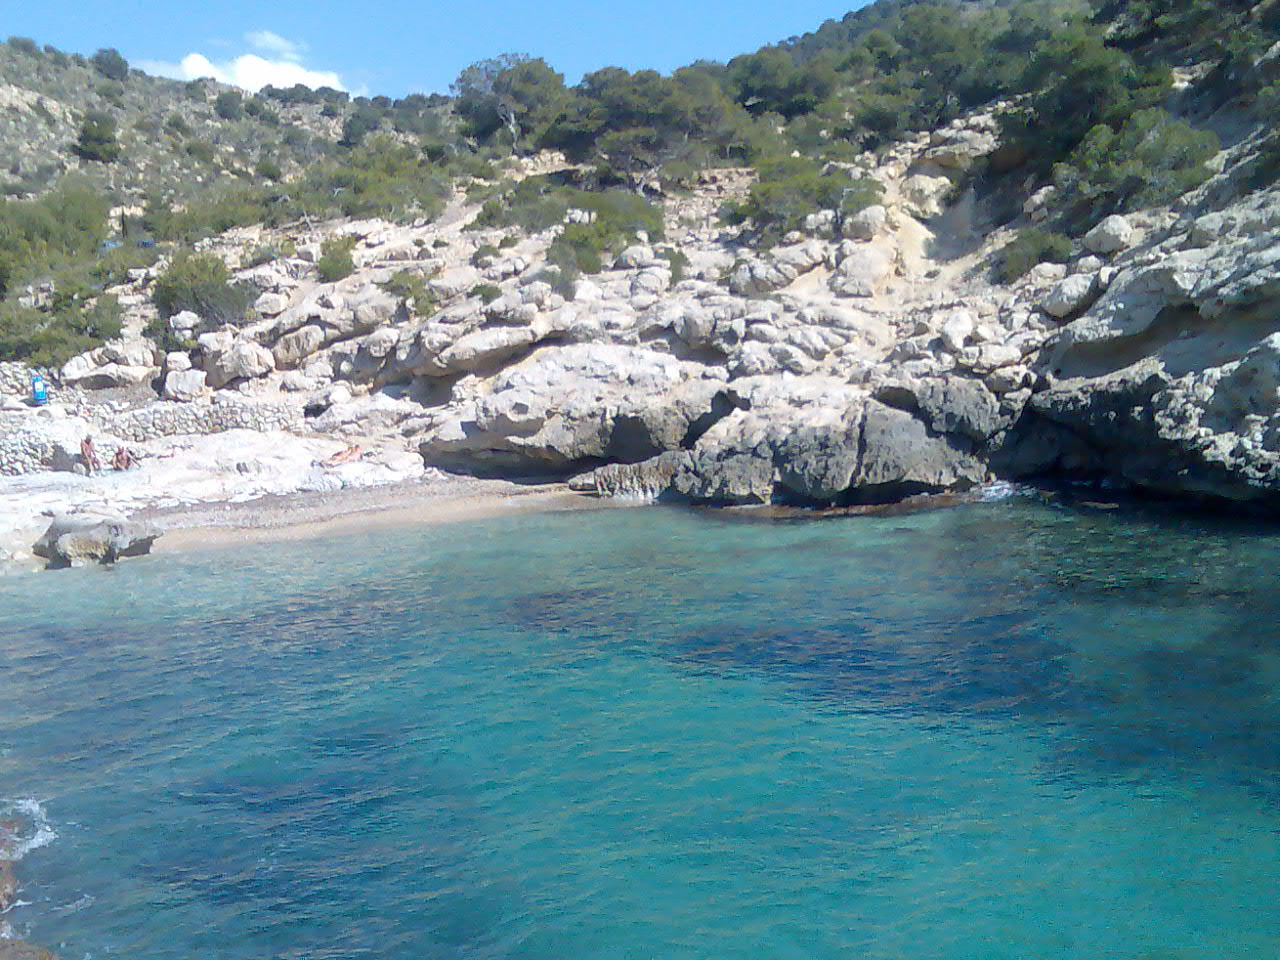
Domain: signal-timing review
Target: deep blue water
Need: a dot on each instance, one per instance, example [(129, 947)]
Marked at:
[(1000, 731)]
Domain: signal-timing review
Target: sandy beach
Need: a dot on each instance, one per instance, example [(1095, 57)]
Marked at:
[(300, 516)]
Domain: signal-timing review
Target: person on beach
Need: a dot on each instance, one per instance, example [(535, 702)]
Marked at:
[(123, 459), (349, 455), (90, 456)]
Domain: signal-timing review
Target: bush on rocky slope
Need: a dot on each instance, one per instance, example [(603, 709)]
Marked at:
[(76, 319), (1033, 245), (199, 282), (790, 189), (335, 259), (1151, 160)]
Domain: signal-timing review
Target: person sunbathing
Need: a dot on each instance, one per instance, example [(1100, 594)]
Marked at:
[(349, 455), (124, 459)]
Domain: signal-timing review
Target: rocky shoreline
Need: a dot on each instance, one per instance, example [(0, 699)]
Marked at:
[(857, 363), (12, 948)]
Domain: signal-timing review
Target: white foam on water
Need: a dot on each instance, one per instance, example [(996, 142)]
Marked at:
[(37, 832), (6, 931), (999, 490), (75, 906)]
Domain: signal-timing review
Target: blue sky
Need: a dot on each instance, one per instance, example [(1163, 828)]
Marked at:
[(402, 46)]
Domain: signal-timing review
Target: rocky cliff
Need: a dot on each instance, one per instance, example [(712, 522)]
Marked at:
[(859, 361)]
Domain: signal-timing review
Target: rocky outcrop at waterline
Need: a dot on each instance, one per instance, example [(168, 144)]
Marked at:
[(10, 947), (1172, 380)]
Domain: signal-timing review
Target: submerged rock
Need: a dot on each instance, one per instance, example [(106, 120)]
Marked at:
[(20, 950)]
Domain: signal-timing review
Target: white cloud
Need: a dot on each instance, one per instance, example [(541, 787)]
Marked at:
[(282, 67), (268, 42)]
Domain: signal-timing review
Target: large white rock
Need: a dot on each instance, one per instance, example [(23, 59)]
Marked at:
[(244, 361), (956, 329), (1071, 295), (867, 224), (295, 347), (863, 272), (635, 256), (184, 322), (485, 347), (185, 385), (1110, 236), (271, 304)]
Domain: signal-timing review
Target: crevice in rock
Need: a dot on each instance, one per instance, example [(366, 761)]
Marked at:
[(721, 406), (1097, 359)]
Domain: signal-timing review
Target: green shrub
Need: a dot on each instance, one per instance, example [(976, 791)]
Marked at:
[(267, 169), (379, 178), (75, 321), (111, 92), (38, 236), (207, 217), (113, 266), (111, 65), (199, 282), (1031, 246), (177, 126), (335, 259), (97, 139), (789, 189), (487, 292), (484, 252), (411, 289), (201, 151), (360, 123), (24, 45), (1152, 160), (257, 108), (617, 217), (229, 105)]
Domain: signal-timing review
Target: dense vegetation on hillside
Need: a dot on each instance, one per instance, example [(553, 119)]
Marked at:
[(1086, 89)]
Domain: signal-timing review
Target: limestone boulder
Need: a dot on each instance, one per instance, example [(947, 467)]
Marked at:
[(122, 363), (1071, 295), (566, 405), (485, 348), (271, 304), (295, 347), (76, 540), (1112, 235), (242, 360), (867, 224), (185, 385), (863, 272)]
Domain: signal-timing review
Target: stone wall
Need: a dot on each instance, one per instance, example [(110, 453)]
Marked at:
[(217, 415), (32, 441)]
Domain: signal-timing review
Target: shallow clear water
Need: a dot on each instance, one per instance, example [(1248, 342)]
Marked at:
[(1000, 731)]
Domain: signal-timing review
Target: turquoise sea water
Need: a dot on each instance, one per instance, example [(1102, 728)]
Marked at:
[(1001, 731)]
